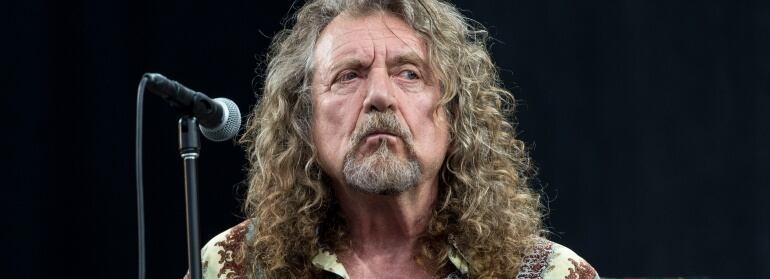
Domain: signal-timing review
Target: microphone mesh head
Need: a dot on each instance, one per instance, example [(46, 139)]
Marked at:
[(231, 122)]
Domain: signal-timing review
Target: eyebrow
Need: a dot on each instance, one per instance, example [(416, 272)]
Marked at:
[(346, 63), (407, 58)]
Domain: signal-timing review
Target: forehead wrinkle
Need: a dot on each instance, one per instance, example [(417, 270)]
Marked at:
[(343, 55), (392, 33), (352, 58), (415, 56), (329, 61), (409, 31), (344, 49), (347, 63)]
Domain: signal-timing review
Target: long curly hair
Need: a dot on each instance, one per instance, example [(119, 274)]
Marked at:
[(484, 208)]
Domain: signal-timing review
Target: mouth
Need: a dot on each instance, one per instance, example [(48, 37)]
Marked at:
[(378, 137), (373, 139), (379, 133)]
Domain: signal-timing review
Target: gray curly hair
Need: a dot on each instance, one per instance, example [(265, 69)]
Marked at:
[(484, 206)]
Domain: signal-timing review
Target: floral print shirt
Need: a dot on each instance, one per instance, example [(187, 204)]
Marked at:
[(548, 260)]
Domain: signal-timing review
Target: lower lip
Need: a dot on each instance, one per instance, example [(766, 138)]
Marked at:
[(375, 138)]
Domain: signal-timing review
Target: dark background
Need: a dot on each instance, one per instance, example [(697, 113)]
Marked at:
[(648, 121)]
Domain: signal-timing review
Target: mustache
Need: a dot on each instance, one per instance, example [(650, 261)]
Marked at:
[(382, 122)]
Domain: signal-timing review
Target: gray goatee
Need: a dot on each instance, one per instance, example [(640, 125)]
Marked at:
[(381, 172)]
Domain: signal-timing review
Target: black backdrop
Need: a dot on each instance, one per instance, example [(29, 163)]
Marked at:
[(648, 121)]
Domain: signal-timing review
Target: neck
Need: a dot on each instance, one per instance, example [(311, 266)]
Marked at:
[(387, 224)]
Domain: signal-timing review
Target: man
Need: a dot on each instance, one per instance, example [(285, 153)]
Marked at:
[(380, 149)]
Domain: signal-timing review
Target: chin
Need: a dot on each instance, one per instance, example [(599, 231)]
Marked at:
[(382, 173)]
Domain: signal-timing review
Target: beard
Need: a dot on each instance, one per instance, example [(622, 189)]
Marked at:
[(382, 172)]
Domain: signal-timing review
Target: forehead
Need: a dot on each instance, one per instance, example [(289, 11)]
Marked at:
[(364, 36)]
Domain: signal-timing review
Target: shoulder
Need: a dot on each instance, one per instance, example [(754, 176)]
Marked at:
[(550, 260), (222, 256)]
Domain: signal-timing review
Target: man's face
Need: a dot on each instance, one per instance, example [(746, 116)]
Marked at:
[(376, 123)]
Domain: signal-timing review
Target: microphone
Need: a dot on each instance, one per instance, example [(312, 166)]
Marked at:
[(219, 119)]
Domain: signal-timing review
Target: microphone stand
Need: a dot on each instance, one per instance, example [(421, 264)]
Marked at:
[(189, 148)]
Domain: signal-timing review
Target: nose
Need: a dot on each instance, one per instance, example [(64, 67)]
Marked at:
[(379, 95)]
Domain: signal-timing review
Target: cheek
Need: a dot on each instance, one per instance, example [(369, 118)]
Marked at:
[(333, 122), (431, 130), (440, 131), (441, 140)]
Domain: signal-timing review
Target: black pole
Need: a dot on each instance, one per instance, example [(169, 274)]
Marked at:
[(189, 148)]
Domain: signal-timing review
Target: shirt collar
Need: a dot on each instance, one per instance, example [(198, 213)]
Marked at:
[(327, 260)]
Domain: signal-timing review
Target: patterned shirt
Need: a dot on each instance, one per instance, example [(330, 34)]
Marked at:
[(548, 260)]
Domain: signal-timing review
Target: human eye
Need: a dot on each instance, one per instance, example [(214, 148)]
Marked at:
[(347, 76), (409, 75)]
